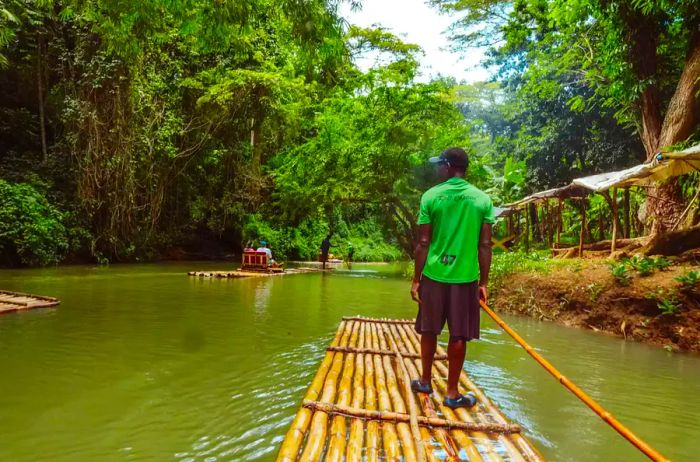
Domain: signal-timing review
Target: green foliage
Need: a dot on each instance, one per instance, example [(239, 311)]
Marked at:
[(620, 272), (667, 300), (647, 265), (688, 280), (644, 266), (662, 263), (369, 145), (594, 291), (31, 229)]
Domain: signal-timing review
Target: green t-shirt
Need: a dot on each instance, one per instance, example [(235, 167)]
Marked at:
[(456, 210)]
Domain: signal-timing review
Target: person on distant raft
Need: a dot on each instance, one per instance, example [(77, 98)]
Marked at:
[(325, 248), (453, 258), (263, 248)]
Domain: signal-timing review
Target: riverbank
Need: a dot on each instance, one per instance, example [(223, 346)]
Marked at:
[(654, 308)]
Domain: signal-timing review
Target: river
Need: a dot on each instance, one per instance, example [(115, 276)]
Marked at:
[(142, 362)]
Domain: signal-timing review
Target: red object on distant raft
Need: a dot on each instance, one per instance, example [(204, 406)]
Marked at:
[(254, 260)]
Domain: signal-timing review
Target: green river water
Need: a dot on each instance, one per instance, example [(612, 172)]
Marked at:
[(142, 362)]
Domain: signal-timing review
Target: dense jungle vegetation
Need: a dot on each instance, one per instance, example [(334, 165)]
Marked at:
[(137, 130)]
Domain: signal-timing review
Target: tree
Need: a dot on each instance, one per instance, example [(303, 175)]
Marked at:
[(367, 144), (641, 58)]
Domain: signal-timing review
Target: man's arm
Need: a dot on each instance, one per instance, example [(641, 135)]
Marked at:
[(425, 233), (485, 252)]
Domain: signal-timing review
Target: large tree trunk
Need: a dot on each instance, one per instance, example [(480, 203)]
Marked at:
[(664, 202), (673, 243)]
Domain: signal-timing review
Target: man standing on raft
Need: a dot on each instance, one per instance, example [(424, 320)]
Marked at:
[(453, 257)]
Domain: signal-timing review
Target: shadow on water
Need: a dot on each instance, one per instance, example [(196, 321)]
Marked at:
[(143, 362)]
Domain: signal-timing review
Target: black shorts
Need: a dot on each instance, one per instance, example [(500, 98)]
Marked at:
[(458, 304)]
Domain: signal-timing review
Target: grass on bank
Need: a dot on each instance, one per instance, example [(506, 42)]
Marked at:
[(508, 263), (505, 264)]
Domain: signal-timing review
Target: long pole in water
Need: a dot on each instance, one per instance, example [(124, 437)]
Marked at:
[(650, 452)]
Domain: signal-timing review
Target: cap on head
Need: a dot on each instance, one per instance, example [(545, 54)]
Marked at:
[(455, 157), (263, 242)]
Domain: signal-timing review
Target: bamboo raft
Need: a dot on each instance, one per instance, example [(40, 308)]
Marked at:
[(359, 407), (233, 274), (17, 301)]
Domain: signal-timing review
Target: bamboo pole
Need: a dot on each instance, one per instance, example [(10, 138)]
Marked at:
[(377, 321), (360, 414), (427, 436), (390, 438), (379, 352), (372, 450), (464, 440), (338, 433), (650, 452), (518, 447), (408, 443), (449, 442), (295, 436), (406, 379), (316, 439), (357, 427)]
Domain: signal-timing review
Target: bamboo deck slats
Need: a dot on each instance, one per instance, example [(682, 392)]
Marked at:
[(17, 301), (359, 406)]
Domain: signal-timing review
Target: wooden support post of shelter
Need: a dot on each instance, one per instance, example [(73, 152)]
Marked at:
[(559, 221), (613, 245), (626, 213), (527, 229), (582, 237)]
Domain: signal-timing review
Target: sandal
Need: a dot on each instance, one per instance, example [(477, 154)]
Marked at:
[(467, 400), (419, 387)]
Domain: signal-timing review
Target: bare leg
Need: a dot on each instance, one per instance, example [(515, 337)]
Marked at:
[(456, 351), (428, 345)]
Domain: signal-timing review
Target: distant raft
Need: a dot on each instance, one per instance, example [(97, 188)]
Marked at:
[(18, 301), (249, 274), (359, 407)]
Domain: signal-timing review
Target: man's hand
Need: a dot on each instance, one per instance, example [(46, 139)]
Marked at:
[(415, 286), (483, 293)]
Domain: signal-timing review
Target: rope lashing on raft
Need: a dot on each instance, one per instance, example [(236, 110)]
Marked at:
[(607, 417)]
